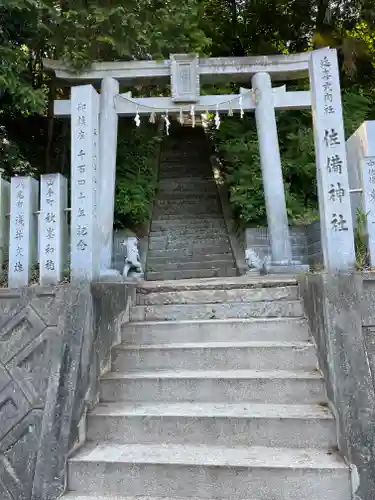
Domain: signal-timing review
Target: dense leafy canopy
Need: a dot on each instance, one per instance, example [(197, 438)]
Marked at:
[(83, 31)]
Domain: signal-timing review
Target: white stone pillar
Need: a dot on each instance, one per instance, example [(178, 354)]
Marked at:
[(332, 173), (52, 228), (368, 180), (23, 230), (107, 165), (271, 170), (84, 174), (4, 220)]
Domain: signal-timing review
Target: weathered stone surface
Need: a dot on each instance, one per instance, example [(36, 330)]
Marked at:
[(47, 305), (110, 311), (214, 424), (13, 407), (334, 304), (52, 340), (217, 311), (5, 377), (216, 356), (18, 456), (18, 332), (211, 272), (31, 367), (273, 387), (11, 303), (218, 296), (238, 330)]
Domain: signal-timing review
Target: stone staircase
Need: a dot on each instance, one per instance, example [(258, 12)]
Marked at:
[(188, 237), (214, 393)]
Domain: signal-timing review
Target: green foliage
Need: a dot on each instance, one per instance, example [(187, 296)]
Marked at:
[(136, 176), (237, 146), (83, 32), (135, 29)]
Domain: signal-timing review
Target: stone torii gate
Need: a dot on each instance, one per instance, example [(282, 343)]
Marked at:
[(94, 127)]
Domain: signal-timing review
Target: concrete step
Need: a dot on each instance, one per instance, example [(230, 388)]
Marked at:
[(188, 166), (274, 309), (226, 330), (215, 356), (186, 187), (169, 190), (190, 265), (161, 260), (220, 386), (187, 200), (239, 424), (206, 209), (192, 252), (165, 243), (166, 194), (209, 472), (189, 233), (193, 176), (145, 297), (211, 272), (192, 225), (188, 218), (238, 282)]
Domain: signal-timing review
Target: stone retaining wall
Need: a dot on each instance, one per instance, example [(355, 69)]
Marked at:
[(54, 343), (305, 242), (341, 313)]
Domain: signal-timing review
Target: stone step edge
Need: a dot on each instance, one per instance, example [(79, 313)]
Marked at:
[(229, 283), (213, 322), (216, 305), (253, 457), (255, 411), (298, 345), (187, 266), (215, 374)]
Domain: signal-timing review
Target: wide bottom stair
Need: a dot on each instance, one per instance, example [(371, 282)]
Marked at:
[(214, 393)]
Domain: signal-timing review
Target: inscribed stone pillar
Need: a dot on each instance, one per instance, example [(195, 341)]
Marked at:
[(4, 220), (52, 228), (271, 170), (107, 166), (84, 174), (332, 173), (23, 230), (368, 179)]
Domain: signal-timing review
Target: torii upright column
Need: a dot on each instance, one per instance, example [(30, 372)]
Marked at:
[(107, 164), (271, 172)]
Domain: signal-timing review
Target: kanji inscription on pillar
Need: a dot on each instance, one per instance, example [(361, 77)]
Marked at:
[(84, 170), (52, 228), (332, 175), (368, 176), (24, 194)]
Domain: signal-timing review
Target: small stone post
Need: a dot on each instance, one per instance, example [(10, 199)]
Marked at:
[(84, 175), (23, 230), (52, 228), (332, 173), (271, 170)]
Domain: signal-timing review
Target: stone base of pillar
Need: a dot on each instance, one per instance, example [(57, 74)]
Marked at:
[(292, 267), (111, 276)]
